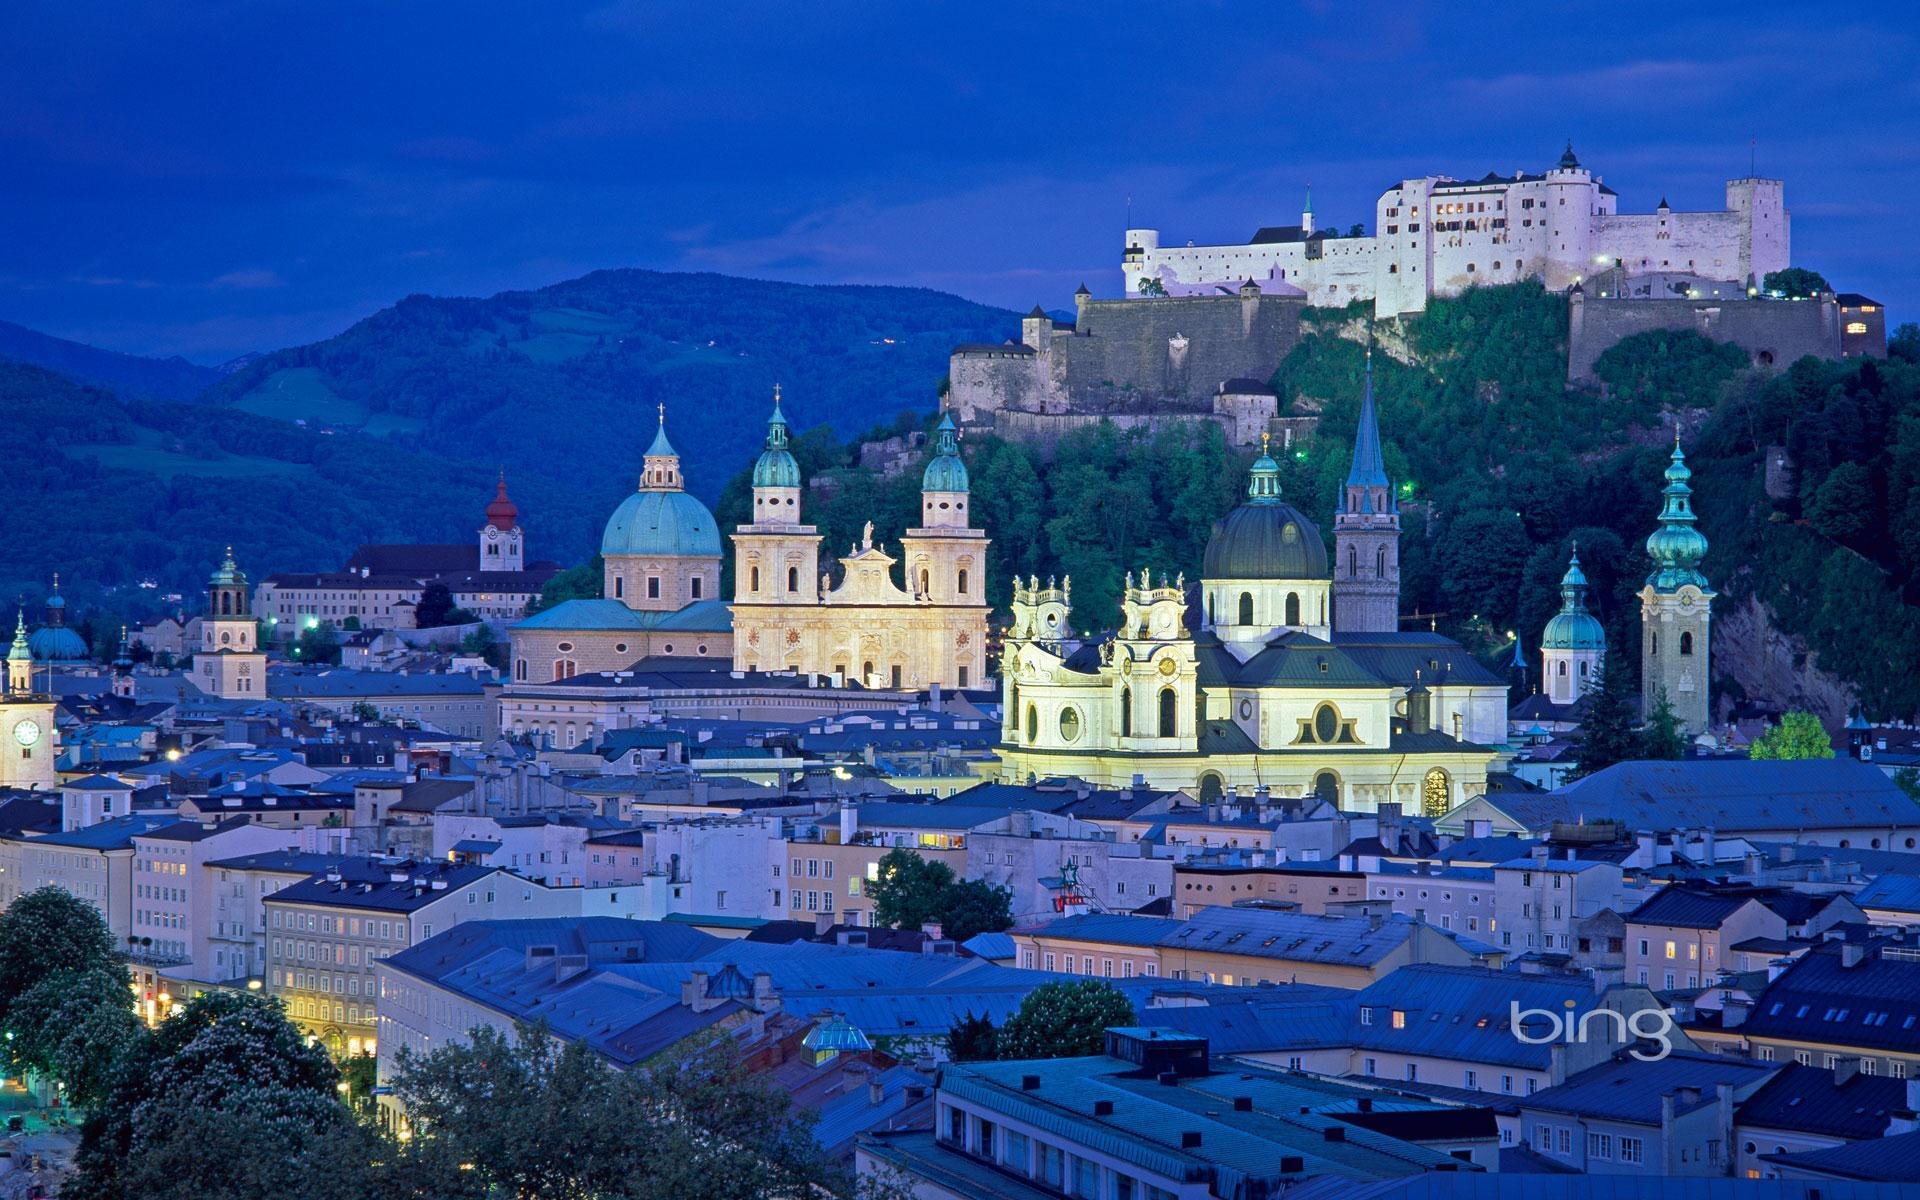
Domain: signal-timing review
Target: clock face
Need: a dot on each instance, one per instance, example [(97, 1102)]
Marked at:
[(26, 731), (1168, 666)]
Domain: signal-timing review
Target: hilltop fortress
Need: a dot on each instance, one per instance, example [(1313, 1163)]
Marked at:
[(1438, 236), (1202, 329)]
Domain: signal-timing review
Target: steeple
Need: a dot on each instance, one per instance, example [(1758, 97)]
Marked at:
[(1676, 547), (502, 513), (1366, 533), (502, 544), (660, 471), (20, 659), (1568, 160), (1676, 607), (1369, 466), (776, 467), (1306, 214)]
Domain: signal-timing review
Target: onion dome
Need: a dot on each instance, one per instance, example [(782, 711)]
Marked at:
[(1573, 627), (946, 473), (1677, 547), (776, 466), (502, 513), (54, 642), (22, 650), (1265, 538)]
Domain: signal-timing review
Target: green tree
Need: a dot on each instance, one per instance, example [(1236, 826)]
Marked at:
[(1843, 506), (1662, 736), (1152, 287), (1064, 1020), (318, 643), (75, 1026), (908, 890), (46, 931), (1607, 735), (1482, 554), (973, 906), (436, 607), (575, 583), (973, 1039), (1795, 282), (1798, 735), (1907, 779)]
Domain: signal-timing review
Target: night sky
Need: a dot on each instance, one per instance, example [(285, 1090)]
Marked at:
[(212, 178)]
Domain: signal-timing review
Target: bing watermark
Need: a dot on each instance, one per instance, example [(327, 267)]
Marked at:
[(1597, 1024)]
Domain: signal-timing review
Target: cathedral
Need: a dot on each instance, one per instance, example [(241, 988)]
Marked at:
[(868, 629), (1278, 671), (660, 596)]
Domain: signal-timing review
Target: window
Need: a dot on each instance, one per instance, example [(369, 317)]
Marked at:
[(793, 579), (695, 583), (1470, 1080), (1632, 1150), (1293, 608), (1246, 608), (1599, 1145), (960, 586), (653, 587), (1169, 714), (1686, 643), (753, 579)]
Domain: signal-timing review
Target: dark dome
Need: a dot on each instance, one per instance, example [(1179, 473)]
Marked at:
[(1265, 541)]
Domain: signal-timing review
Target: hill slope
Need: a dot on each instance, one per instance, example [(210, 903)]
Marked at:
[(564, 380), (128, 374)]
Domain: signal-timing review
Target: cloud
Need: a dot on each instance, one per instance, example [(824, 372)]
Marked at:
[(250, 278)]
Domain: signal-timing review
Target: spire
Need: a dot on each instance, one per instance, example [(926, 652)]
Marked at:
[(21, 651), (662, 448), (502, 513), (123, 659), (1306, 214), (1519, 660), (1573, 585), (56, 604), (946, 472), (776, 466), (1677, 547), (1369, 467), (776, 424), (1568, 160)]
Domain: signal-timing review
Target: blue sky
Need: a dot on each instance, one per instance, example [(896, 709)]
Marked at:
[(212, 178)]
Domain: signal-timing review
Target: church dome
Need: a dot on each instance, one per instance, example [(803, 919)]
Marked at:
[(57, 643), (776, 466), (946, 473), (228, 574), (1265, 538), (1573, 627), (661, 523)]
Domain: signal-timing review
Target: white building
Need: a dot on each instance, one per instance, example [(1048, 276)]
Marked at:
[(1437, 236)]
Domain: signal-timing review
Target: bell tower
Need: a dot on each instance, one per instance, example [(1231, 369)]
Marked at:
[(502, 543), (1676, 607), (29, 743), (1366, 534), (776, 556), (230, 664)]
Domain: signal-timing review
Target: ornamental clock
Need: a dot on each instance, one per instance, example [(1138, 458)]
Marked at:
[(26, 731)]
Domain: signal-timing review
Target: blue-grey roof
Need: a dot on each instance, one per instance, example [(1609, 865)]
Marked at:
[(1255, 932), (1895, 1160), (1627, 1089), (373, 886), (341, 683), (1899, 893), (994, 947), (704, 616), (1525, 1184), (1729, 795), (1369, 467), (667, 523), (1809, 1099), (1820, 999), (1463, 1013), (1264, 1019), (116, 834)]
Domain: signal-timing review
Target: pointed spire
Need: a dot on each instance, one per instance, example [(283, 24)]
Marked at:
[(21, 651), (1369, 466), (1519, 660), (776, 424), (662, 448)]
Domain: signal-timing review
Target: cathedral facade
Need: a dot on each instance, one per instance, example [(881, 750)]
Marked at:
[(1278, 671), (930, 627)]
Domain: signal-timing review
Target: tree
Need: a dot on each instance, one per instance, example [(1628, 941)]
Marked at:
[(1607, 733), (1798, 735), (436, 606), (1907, 779), (575, 583), (1152, 287), (973, 906), (908, 891), (1795, 282), (1482, 554), (973, 1039), (1843, 506), (75, 1026), (1064, 1020), (1356, 230), (318, 643), (50, 930), (1662, 736), (911, 891), (525, 1116)]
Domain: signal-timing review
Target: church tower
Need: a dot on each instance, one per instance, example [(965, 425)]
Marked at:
[(947, 558), (1366, 535), (502, 543), (230, 664), (123, 685), (1675, 607), (661, 546), (26, 721), (1573, 643), (776, 558)]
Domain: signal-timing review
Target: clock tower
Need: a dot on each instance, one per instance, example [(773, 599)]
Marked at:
[(230, 664), (28, 744), (1676, 608), (503, 545)]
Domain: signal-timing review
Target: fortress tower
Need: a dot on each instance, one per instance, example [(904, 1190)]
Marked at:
[(1675, 607), (1366, 535)]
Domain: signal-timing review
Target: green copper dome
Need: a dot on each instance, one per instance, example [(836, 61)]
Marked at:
[(229, 574), (21, 651), (661, 523), (776, 466), (1677, 547), (946, 473), (1573, 627), (1265, 538)]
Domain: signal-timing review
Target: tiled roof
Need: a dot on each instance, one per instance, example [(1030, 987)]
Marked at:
[(1808, 1099), (1463, 1013), (342, 682), (116, 834), (1691, 907), (1820, 999), (1898, 893)]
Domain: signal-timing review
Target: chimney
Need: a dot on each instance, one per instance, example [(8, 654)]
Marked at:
[(1844, 1070), (1852, 954), (1480, 827), (1334, 1133), (822, 922), (933, 931)]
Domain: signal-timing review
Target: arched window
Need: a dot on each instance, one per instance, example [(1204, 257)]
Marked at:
[(1583, 670), (1436, 793), (696, 587), (1563, 668), (793, 579), (1380, 562), (1169, 713), (1246, 608), (1353, 561), (866, 673), (926, 582), (1126, 711), (619, 586), (1033, 723), (1326, 785), (753, 580), (1653, 645), (960, 582), (1293, 608), (1211, 786), (1686, 643)]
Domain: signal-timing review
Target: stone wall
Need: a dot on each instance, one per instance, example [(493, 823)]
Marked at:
[(1772, 332)]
